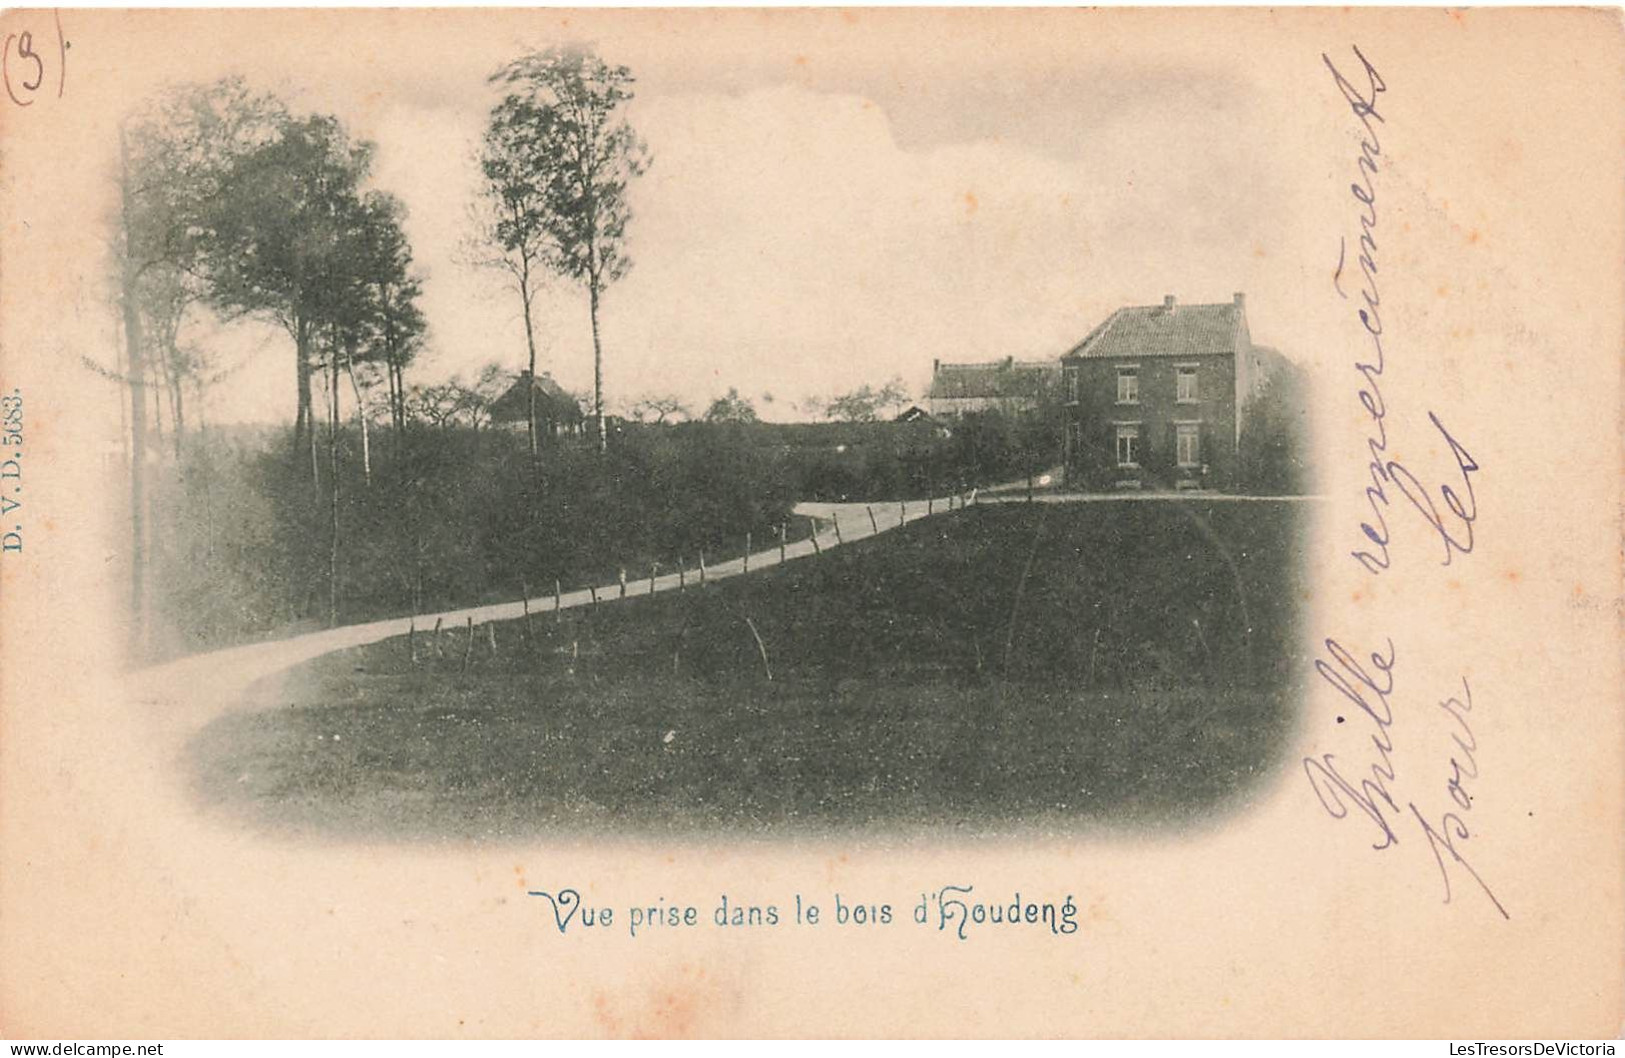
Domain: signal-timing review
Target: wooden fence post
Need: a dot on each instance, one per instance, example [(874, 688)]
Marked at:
[(835, 516), (558, 598), (818, 549), (902, 512), (438, 652), (491, 635), (874, 525), (702, 565), (654, 568), (930, 505), (682, 574), (783, 534), (524, 602), (594, 595), (623, 582), (412, 638), (747, 553), (468, 648)]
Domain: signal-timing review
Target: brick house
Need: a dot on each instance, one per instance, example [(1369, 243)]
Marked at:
[(1157, 397)]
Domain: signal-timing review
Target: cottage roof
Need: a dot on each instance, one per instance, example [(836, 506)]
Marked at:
[(915, 413), (1169, 329), (552, 401), (998, 378)]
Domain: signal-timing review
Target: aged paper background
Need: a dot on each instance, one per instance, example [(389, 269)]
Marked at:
[(124, 914)]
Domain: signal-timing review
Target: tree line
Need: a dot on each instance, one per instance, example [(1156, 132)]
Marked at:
[(233, 206)]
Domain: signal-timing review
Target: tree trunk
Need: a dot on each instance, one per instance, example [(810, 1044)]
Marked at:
[(157, 386), (303, 422), (333, 493), (138, 416), (597, 366), (395, 372), (361, 416), (397, 402), (177, 412), (315, 464), (400, 396), (530, 344)]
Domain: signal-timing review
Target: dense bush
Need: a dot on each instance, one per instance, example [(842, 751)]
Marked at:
[(861, 462), (242, 536), (1275, 439)]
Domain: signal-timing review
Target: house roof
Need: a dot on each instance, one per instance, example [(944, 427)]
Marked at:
[(915, 413), (1169, 329), (998, 378), (552, 401)]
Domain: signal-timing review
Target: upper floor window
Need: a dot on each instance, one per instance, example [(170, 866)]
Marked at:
[(1072, 382), (1128, 385), (1185, 385)]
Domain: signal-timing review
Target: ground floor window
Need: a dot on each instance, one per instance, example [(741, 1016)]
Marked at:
[(1189, 451), (1128, 445)]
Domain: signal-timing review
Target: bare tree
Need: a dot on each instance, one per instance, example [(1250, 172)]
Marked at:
[(868, 403), (658, 408), (458, 403)]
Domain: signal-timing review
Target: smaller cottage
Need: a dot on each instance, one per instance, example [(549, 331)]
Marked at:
[(914, 415), (558, 415), (1011, 386)]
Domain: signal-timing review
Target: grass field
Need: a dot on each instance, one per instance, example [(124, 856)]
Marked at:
[(995, 669)]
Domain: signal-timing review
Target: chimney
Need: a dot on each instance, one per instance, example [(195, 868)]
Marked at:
[(1168, 302), (1241, 300), (936, 367)]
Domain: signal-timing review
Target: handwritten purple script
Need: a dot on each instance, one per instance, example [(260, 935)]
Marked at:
[(1447, 833), (1372, 789), (1454, 523)]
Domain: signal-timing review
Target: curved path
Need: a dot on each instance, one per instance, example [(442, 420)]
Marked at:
[(235, 668), (836, 524)]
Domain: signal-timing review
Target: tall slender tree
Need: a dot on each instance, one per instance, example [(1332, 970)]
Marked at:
[(382, 324), (399, 327), (586, 154), (511, 230)]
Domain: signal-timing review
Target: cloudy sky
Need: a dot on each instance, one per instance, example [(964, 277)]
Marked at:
[(833, 200)]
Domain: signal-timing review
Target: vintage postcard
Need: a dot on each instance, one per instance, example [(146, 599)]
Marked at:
[(908, 522)]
